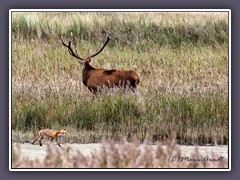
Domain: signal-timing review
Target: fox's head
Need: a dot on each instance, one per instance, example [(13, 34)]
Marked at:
[(63, 131)]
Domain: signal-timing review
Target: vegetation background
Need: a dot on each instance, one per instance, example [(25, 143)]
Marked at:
[(181, 58)]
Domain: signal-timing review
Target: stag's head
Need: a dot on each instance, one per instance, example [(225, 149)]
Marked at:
[(83, 61)]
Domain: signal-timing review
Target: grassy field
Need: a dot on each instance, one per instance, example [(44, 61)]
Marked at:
[(181, 58)]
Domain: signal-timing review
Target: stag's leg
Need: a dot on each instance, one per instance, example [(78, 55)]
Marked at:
[(93, 90), (133, 85), (133, 89)]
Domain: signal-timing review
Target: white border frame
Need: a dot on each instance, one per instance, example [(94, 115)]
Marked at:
[(117, 10)]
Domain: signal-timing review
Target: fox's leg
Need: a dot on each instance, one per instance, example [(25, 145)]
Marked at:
[(40, 140), (58, 143), (34, 139), (51, 141)]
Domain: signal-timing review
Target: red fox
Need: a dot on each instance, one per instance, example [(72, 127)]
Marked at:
[(53, 134)]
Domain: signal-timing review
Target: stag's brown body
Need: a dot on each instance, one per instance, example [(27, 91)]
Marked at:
[(97, 79)]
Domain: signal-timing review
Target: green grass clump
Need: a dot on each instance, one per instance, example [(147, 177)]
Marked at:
[(194, 29), (195, 119)]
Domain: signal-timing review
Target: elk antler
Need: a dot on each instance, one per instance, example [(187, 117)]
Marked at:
[(75, 54), (108, 38), (71, 51)]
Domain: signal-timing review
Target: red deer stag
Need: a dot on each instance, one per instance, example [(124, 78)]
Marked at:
[(96, 79)]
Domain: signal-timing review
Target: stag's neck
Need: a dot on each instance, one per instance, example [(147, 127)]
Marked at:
[(87, 67), (86, 72)]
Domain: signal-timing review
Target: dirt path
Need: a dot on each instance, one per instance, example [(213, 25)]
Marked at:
[(35, 151)]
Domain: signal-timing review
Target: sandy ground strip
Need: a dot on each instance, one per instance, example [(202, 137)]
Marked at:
[(35, 151)]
